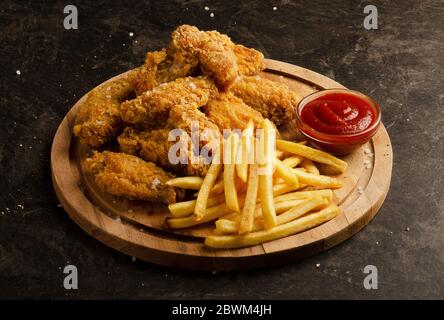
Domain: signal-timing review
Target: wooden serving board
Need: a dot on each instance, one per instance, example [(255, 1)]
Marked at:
[(137, 227)]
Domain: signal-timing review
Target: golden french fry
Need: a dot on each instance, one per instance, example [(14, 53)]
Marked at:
[(281, 231), (211, 213), (218, 187), (291, 208), (266, 158), (317, 180), (193, 183), (292, 161), (208, 183), (312, 154), (310, 167), (230, 148), (186, 208), (247, 218), (285, 173), (226, 226), (300, 195), (244, 149), (282, 188), (279, 154)]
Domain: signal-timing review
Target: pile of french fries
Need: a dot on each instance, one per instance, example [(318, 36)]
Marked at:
[(264, 189)]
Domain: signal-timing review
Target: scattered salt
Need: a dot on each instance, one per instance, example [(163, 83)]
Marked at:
[(206, 8), (275, 8), (155, 183), (407, 229), (318, 265), (21, 206), (211, 14), (18, 72), (131, 34)]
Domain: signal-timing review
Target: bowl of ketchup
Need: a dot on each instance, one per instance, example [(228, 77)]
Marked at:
[(338, 120)]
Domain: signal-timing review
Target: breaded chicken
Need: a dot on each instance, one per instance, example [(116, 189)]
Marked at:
[(152, 108), (131, 177), (189, 47), (273, 100), (155, 146), (230, 112), (249, 61), (98, 119)]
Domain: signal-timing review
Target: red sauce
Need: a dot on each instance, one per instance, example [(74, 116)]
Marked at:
[(338, 114)]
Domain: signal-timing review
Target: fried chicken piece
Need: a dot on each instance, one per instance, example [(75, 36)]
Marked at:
[(98, 119), (154, 145), (131, 177), (152, 108), (214, 52), (163, 66), (230, 112), (273, 100), (249, 61), (189, 48)]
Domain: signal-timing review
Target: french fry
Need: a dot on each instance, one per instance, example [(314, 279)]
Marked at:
[(193, 183), (247, 218), (310, 167), (227, 225), (301, 195), (266, 177), (186, 208), (292, 161), (317, 180), (312, 154), (244, 152), (208, 183), (230, 148), (211, 213), (281, 231), (301, 209), (218, 187), (285, 173)]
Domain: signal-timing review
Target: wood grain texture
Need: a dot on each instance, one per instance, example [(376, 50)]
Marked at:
[(137, 228)]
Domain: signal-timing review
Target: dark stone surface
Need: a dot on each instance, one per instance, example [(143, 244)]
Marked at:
[(400, 65)]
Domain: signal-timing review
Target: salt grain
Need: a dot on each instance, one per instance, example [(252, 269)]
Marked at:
[(407, 229), (211, 14), (18, 72), (131, 34), (206, 8), (275, 8), (21, 206), (318, 265)]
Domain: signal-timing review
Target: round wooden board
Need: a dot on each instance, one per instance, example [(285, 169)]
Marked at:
[(137, 227)]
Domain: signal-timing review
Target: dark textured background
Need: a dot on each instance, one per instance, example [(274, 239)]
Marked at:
[(400, 65)]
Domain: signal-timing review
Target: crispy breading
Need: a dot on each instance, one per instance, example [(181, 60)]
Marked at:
[(189, 47), (98, 119), (152, 108), (273, 100), (249, 61), (128, 176), (154, 145), (230, 112)]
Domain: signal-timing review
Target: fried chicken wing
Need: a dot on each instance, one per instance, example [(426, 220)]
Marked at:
[(131, 177), (230, 112), (98, 119), (154, 145), (273, 100), (189, 47), (152, 108)]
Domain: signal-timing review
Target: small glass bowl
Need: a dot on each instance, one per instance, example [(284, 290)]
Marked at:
[(338, 144)]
